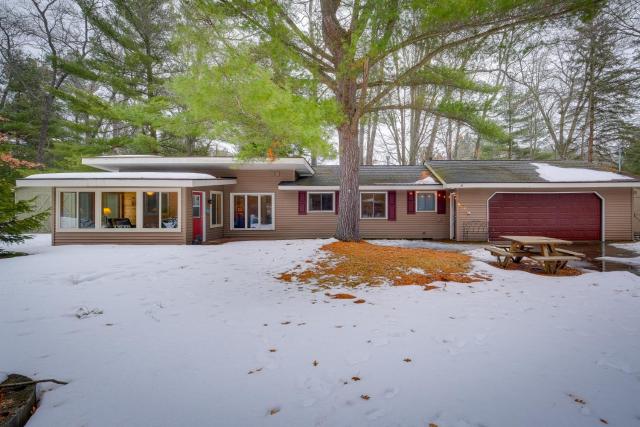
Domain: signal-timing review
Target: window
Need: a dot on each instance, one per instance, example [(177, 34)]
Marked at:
[(425, 201), (169, 210), (320, 202), (196, 204), (119, 209), (159, 209), (252, 211), (216, 209), (373, 205), (77, 210)]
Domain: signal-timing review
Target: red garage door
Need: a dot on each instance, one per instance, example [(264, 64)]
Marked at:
[(573, 216)]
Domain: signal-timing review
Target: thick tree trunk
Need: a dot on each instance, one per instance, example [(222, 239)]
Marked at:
[(432, 138), (43, 136), (361, 143), (348, 228), (592, 130), (371, 138)]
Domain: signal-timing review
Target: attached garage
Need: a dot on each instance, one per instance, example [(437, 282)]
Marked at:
[(572, 216)]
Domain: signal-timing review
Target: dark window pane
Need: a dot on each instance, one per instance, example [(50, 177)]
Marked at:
[(426, 202), (238, 211), (266, 217), (86, 210), (150, 209), (252, 211), (68, 215), (315, 200), (169, 215), (196, 205), (327, 201), (216, 209)]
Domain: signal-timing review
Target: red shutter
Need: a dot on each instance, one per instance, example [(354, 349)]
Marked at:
[(302, 202), (336, 202), (391, 205), (441, 202), (411, 202)]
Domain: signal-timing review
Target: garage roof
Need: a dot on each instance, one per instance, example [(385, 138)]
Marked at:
[(518, 171)]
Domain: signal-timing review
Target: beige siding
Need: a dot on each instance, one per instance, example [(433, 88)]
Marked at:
[(41, 202), (290, 225), (472, 209), (131, 237)]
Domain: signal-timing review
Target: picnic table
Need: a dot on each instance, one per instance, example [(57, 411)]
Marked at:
[(541, 249)]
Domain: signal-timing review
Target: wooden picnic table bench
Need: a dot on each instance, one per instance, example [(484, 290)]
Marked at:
[(553, 259), (554, 263)]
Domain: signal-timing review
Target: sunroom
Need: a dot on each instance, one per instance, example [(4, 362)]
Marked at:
[(125, 204)]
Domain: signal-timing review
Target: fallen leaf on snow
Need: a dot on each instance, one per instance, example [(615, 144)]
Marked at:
[(355, 378), (272, 350), (274, 411), (365, 397), (359, 301), (342, 296), (577, 399)]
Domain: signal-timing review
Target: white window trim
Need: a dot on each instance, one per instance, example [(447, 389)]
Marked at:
[(221, 219), (386, 204), (273, 211), (333, 202), (98, 212), (435, 200)]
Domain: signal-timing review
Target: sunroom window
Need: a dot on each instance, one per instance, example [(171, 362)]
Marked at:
[(425, 201), (77, 210), (160, 209), (373, 205), (252, 211), (320, 202), (119, 209)]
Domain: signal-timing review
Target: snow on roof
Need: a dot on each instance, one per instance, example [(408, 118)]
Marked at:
[(122, 175), (552, 173), (427, 180)]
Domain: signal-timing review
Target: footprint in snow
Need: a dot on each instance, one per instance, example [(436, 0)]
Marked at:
[(390, 393), (357, 358), (374, 414)]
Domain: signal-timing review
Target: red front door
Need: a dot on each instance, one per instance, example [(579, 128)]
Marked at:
[(197, 198), (572, 216)]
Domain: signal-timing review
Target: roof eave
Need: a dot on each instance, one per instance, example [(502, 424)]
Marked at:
[(115, 164), (379, 187), (122, 182)]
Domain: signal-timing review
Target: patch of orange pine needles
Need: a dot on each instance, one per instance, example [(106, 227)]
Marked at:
[(355, 263)]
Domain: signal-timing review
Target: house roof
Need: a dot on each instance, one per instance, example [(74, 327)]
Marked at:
[(369, 176), (504, 172), (140, 163)]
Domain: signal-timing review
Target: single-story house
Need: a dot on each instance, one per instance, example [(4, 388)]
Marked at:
[(181, 200)]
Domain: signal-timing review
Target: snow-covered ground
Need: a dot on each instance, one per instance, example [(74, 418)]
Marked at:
[(182, 335)]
